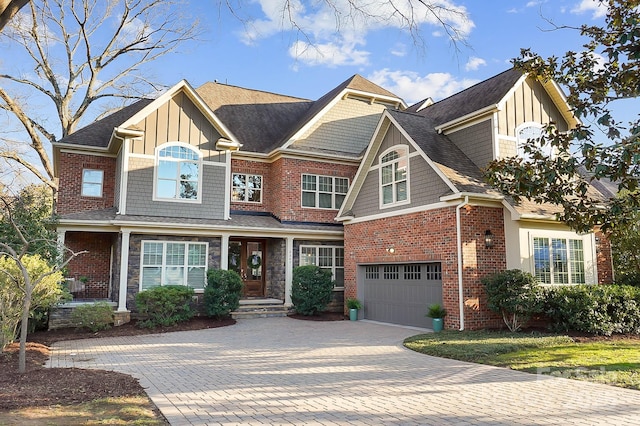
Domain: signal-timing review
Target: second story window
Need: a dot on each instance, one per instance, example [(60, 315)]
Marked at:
[(246, 188), (178, 173), (323, 192), (92, 182), (393, 177), (529, 132)]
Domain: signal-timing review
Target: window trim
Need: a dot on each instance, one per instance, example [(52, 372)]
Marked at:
[(569, 262), (246, 176), (381, 165), (101, 183), (164, 262), (333, 260), (199, 162), (317, 191), (519, 150)]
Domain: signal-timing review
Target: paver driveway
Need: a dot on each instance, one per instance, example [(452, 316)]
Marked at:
[(287, 371)]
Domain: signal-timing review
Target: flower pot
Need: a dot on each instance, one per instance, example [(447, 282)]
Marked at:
[(438, 324), (353, 314)]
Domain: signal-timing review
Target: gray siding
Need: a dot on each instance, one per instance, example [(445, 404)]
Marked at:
[(140, 193), (392, 138), (476, 142)]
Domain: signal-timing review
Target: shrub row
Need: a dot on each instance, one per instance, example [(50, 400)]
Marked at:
[(598, 309)]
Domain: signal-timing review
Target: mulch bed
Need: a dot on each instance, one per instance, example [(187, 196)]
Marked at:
[(41, 387), (320, 316)]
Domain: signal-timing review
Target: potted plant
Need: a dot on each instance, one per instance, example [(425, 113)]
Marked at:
[(437, 313), (353, 304)]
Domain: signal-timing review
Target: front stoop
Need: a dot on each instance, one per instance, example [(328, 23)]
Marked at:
[(260, 308)]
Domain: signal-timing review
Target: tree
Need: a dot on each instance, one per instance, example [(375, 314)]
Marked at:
[(29, 276), (8, 9), (625, 240), (606, 71), (83, 54)]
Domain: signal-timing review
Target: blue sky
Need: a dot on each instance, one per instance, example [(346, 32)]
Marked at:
[(258, 53)]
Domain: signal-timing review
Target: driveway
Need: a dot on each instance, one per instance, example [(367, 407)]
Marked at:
[(287, 371)]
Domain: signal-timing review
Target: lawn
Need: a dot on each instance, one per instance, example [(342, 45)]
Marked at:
[(614, 361)]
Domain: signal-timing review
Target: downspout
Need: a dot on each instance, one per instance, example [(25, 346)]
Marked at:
[(459, 243)]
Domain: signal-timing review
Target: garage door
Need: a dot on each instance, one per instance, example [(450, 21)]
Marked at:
[(400, 294)]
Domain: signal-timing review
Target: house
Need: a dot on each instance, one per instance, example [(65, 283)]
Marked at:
[(389, 198)]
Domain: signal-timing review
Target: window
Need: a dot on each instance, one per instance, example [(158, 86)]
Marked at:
[(92, 182), (246, 188), (173, 263), (534, 132), (390, 272), (558, 261), (372, 272), (330, 258), (323, 192), (393, 177), (178, 173), (412, 272)]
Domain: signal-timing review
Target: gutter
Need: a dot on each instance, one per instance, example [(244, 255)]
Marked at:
[(459, 244)]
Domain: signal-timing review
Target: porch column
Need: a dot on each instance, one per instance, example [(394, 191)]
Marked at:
[(224, 251), (288, 271), (124, 271), (60, 245)]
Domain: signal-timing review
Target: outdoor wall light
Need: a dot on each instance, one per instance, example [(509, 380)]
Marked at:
[(488, 239), (391, 250)]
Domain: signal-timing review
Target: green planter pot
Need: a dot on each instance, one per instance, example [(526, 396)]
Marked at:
[(438, 324), (353, 314)]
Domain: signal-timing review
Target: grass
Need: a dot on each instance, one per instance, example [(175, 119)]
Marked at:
[(107, 411), (615, 362)]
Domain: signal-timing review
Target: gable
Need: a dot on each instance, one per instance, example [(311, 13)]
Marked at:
[(347, 127), (176, 120)]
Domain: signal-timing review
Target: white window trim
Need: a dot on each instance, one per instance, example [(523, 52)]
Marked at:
[(405, 155), (333, 263), (585, 248), (246, 176), (92, 183), (317, 191), (164, 261), (198, 199)]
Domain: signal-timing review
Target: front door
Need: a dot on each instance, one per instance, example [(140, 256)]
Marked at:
[(247, 258)]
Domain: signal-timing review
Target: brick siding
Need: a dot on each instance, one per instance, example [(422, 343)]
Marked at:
[(430, 236), (604, 259), (70, 199), (94, 265)]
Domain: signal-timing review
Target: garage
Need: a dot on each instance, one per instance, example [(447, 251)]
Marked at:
[(400, 293)]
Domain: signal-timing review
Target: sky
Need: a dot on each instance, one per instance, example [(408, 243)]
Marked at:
[(259, 53)]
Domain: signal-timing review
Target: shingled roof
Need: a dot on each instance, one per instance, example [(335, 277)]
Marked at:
[(98, 133), (474, 98)]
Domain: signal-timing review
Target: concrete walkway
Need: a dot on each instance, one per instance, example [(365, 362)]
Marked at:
[(287, 371)]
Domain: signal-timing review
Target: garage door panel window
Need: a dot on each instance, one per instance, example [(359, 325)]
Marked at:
[(433, 271), (330, 258), (558, 261), (372, 272), (412, 272), (391, 272)]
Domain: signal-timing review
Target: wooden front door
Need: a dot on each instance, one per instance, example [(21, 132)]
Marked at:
[(247, 258)]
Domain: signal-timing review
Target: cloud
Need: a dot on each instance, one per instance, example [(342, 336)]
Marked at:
[(597, 8), (413, 87), (336, 26), (328, 54), (399, 50), (474, 63)]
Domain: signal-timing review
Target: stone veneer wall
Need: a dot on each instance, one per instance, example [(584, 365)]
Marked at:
[(135, 247), (275, 270)]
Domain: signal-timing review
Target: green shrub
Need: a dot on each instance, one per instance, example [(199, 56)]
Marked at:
[(94, 317), (353, 303), (514, 294), (223, 292), (598, 309), (436, 311), (165, 306), (311, 289)]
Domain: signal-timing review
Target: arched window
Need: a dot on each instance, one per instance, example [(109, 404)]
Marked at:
[(178, 173), (394, 165), (530, 131)]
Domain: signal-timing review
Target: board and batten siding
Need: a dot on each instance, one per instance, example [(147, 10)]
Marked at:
[(177, 120), (347, 127), (476, 142), (140, 193)]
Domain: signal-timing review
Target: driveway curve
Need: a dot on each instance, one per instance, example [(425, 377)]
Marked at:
[(286, 371)]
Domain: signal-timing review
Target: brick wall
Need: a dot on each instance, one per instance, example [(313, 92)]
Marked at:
[(70, 199), (268, 185), (287, 178), (94, 265), (604, 259), (431, 236)]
